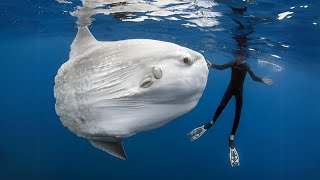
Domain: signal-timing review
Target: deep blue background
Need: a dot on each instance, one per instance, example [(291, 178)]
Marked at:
[(278, 136)]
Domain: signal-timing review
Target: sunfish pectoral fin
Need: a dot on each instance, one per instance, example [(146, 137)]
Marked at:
[(157, 72), (83, 41), (114, 148)]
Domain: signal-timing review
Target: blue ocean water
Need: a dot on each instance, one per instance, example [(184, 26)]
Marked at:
[(278, 136)]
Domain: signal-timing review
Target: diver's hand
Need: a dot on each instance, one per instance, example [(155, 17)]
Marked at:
[(267, 81), (208, 63)]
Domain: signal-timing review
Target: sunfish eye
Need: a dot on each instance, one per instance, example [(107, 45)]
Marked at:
[(187, 61)]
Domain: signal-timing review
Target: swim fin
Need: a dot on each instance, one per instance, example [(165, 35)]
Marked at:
[(196, 133), (234, 157)]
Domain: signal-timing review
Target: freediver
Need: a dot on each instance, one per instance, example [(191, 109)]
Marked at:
[(239, 69)]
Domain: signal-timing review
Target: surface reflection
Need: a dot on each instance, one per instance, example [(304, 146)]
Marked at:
[(119, 15), (242, 33), (190, 13), (202, 14)]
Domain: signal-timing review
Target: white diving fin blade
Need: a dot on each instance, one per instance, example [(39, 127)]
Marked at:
[(234, 157), (83, 41), (114, 148), (196, 133)]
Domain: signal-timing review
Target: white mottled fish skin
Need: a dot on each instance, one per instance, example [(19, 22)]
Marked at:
[(98, 90)]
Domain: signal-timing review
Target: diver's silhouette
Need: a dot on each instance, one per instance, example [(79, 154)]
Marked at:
[(239, 69)]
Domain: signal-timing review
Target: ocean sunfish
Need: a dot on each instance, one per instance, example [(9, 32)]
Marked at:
[(109, 91)]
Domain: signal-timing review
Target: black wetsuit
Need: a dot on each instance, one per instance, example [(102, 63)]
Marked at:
[(238, 74)]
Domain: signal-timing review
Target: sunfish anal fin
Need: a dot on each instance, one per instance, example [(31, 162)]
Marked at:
[(83, 41), (114, 148)]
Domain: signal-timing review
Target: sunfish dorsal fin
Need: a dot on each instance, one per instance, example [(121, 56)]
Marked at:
[(83, 41), (114, 148)]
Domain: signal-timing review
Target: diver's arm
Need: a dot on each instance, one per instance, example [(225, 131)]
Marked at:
[(266, 81), (223, 66), (253, 76)]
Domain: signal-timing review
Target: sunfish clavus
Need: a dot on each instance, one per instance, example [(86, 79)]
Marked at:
[(108, 91)]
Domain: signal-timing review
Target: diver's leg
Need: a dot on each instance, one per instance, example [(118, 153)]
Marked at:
[(199, 131), (226, 98), (234, 157), (237, 113)]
